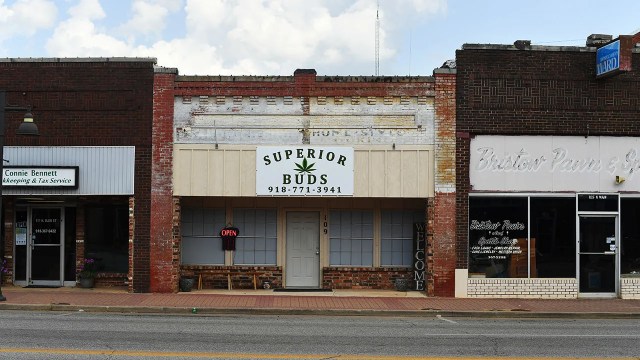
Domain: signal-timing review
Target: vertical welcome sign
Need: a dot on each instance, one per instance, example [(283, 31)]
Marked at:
[(419, 257)]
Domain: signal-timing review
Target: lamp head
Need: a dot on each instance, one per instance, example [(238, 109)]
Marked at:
[(28, 127)]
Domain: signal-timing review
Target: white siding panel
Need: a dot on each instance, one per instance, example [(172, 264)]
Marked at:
[(181, 172), (393, 169), (409, 175), (377, 175), (199, 178), (216, 172), (248, 172), (108, 170), (232, 172), (402, 173)]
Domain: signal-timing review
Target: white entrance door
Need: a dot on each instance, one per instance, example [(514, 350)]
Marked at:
[(303, 249)]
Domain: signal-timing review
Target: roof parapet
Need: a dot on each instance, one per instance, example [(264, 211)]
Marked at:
[(595, 40)]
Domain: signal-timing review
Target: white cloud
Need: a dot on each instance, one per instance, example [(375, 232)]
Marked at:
[(87, 9), (26, 17), (266, 37), (149, 17)]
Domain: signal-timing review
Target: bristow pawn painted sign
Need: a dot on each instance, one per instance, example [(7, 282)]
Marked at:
[(304, 171)]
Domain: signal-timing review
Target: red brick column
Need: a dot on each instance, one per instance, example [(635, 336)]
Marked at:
[(163, 269), (8, 208), (132, 227), (80, 238), (177, 237), (444, 206)]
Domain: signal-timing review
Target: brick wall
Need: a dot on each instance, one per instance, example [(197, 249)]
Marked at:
[(630, 288), (216, 277), (90, 102), (164, 268), (444, 206), (522, 288), (335, 99), (363, 277), (9, 240), (543, 91)]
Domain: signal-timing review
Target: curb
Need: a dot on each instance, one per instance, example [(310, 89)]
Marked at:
[(161, 310)]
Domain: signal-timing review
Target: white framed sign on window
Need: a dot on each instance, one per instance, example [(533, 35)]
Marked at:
[(304, 171)]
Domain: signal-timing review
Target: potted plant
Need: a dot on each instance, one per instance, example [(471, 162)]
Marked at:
[(186, 283), (88, 272)]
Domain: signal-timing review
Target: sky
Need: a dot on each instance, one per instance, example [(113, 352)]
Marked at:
[(275, 37)]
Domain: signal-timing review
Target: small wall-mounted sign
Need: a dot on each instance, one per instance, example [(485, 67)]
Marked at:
[(615, 57), (608, 58), (419, 256), (40, 176)]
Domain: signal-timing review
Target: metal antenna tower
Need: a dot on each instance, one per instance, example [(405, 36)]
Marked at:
[(378, 39)]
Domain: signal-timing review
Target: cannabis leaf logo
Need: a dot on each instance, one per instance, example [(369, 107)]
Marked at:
[(305, 167)]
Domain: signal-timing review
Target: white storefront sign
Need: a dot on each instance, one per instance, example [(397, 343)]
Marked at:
[(38, 176), (555, 163), (304, 171)]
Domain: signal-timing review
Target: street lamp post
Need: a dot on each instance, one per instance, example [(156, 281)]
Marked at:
[(28, 127)]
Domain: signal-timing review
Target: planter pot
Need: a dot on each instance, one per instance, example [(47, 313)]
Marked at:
[(86, 282), (402, 284), (186, 284)]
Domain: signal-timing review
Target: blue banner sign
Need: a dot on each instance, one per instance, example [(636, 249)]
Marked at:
[(608, 58)]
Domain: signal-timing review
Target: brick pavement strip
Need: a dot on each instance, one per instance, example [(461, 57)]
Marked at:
[(110, 300)]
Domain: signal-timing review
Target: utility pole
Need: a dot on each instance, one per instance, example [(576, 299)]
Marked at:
[(378, 39)]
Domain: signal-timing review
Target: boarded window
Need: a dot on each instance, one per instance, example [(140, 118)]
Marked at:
[(351, 238), (257, 242), (397, 236), (201, 243)]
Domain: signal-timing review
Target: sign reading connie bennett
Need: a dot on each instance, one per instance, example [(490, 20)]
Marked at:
[(40, 176), (304, 171)]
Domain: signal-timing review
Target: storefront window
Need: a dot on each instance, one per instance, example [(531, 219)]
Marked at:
[(257, 242), (630, 232), (498, 237), (397, 237), (351, 238), (201, 243), (498, 245), (107, 237), (553, 237)]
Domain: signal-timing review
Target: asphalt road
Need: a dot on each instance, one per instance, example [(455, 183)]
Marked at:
[(81, 335)]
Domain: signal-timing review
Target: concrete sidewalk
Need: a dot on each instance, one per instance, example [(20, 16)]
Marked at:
[(337, 302)]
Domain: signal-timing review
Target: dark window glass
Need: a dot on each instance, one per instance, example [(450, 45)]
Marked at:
[(597, 202), (553, 237), (498, 237), (630, 232), (107, 237)]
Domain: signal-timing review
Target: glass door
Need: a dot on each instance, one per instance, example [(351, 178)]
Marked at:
[(45, 249), (598, 249)]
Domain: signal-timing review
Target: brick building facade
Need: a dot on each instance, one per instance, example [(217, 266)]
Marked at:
[(95, 122), (393, 136), (547, 189)]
